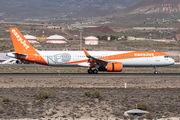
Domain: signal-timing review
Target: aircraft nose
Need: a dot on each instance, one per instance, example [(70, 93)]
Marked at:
[(172, 61)]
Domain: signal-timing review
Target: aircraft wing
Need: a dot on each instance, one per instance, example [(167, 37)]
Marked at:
[(92, 60)]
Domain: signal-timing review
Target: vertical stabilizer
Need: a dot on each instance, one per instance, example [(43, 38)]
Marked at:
[(21, 45), (24, 49)]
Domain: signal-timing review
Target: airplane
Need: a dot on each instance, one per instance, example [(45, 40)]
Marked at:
[(110, 61)]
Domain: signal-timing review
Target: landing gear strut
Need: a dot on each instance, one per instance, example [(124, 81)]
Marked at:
[(90, 71), (155, 72)]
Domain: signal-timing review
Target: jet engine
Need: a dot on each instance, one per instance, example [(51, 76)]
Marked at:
[(114, 67)]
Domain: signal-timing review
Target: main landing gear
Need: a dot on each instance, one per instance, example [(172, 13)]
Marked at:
[(95, 71), (155, 72)]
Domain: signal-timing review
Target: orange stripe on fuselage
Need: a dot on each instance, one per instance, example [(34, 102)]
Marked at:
[(135, 54), (79, 61), (130, 55)]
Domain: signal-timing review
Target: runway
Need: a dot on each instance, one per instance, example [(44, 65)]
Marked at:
[(100, 74), (18, 93), (90, 75)]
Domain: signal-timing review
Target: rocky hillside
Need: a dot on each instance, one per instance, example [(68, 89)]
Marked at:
[(25, 9), (155, 6), (93, 12), (119, 4), (147, 11)]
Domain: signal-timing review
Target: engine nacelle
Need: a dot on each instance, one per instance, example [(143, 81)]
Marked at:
[(114, 67)]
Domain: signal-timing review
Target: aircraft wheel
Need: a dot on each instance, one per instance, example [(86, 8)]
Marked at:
[(155, 72), (90, 71), (95, 71)]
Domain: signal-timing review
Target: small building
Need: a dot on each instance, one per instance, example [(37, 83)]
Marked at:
[(144, 28), (108, 38), (56, 39), (131, 38), (54, 27), (31, 39), (91, 40), (178, 37), (103, 29)]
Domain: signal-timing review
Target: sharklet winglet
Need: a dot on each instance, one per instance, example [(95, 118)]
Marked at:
[(86, 53)]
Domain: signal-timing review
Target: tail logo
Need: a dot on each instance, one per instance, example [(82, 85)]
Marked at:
[(23, 42)]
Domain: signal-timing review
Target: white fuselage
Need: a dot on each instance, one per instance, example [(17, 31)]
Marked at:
[(78, 58)]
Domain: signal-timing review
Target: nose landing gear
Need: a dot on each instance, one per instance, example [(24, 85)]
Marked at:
[(155, 72)]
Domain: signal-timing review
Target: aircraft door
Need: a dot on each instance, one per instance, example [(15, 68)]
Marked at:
[(157, 57), (37, 58), (75, 57)]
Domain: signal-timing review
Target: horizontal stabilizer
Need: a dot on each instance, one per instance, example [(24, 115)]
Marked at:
[(14, 55)]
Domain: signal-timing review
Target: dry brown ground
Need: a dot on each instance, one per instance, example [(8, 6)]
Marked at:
[(161, 94), (138, 82), (163, 97), (48, 69)]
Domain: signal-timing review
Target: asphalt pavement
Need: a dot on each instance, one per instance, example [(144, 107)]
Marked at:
[(89, 75)]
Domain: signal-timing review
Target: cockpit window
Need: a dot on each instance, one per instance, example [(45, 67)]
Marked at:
[(166, 56)]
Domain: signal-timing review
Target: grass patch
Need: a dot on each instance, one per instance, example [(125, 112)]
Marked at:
[(178, 97), (142, 106), (5, 99), (45, 95), (86, 93), (95, 94)]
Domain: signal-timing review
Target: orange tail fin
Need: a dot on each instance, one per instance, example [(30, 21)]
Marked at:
[(21, 45)]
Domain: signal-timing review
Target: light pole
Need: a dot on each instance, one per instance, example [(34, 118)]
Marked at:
[(80, 30)]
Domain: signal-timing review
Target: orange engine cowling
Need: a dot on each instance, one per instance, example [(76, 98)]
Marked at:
[(114, 67)]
